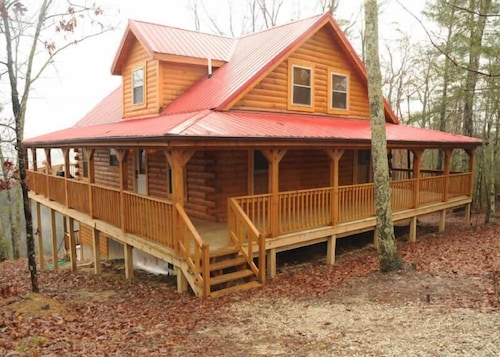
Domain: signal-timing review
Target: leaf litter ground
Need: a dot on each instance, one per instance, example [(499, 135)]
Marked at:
[(445, 303)]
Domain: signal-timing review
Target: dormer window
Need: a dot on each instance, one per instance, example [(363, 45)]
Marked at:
[(339, 89), (138, 86), (301, 85)]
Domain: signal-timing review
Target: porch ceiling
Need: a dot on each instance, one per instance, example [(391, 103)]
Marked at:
[(245, 125)]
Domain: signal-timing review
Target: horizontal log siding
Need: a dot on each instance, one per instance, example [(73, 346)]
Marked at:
[(86, 240), (177, 78), (138, 57), (324, 52), (303, 169), (346, 168), (110, 175), (157, 174), (199, 174), (230, 179)]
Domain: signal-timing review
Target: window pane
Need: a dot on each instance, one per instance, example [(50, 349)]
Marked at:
[(339, 100), (138, 95), (339, 83), (302, 76), (301, 95), (138, 86)]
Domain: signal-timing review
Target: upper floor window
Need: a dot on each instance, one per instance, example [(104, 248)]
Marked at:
[(338, 91), (302, 86), (138, 86)]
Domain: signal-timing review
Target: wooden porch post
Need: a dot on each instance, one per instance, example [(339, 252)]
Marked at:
[(330, 250), (72, 244), (335, 156), (447, 163), (91, 171), (178, 160), (48, 171), (123, 168), (129, 261), (96, 245), (417, 161), (40, 235), (55, 258), (271, 263), (67, 174), (413, 229), (471, 184), (274, 157)]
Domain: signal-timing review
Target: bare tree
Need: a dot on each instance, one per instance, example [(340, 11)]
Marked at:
[(389, 258), (32, 38)]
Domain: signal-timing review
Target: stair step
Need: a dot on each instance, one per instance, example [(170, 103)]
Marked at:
[(223, 264), (235, 288), (224, 278), (224, 251)]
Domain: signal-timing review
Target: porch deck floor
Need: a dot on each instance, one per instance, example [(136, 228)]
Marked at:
[(214, 233)]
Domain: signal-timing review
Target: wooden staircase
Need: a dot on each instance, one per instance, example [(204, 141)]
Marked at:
[(229, 272)]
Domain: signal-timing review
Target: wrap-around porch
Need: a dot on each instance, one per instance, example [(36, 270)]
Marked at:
[(258, 226)]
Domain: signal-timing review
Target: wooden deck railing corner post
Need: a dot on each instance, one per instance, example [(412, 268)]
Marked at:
[(447, 159), (206, 269), (262, 257)]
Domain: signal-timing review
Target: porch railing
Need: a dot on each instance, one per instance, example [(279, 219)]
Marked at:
[(194, 251), (246, 236), (78, 196), (107, 207)]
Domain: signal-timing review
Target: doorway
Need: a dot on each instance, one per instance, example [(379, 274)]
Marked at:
[(141, 178)]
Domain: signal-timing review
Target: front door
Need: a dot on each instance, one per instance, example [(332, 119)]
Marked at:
[(141, 180)]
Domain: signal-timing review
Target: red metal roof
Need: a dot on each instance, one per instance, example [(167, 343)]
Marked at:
[(160, 39), (249, 125)]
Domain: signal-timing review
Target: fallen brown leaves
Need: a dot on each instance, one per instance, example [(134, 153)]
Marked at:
[(81, 314)]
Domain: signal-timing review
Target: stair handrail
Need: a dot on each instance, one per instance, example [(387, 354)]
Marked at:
[(239, 223), (199, 261)]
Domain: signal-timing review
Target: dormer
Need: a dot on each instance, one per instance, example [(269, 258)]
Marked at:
[(159, 63)]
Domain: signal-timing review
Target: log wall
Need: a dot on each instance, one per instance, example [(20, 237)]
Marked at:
[(138, 57), (325, 53), (176, 78), (86, 239), (303, 169)]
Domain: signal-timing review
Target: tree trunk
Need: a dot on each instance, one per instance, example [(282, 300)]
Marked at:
[(475, 48), (389, 258)]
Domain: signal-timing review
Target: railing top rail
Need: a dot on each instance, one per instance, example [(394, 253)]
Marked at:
[(190, 226), (105, 187), (252, 196), (149, 198)]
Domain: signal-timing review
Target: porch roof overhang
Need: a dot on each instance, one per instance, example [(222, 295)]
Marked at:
[(245, 126)]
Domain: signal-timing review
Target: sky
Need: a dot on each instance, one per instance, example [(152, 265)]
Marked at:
[(81, 75)]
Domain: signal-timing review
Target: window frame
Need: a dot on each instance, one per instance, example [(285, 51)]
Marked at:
[(337, 110), (292, 64), (113, 158), (142, 102)]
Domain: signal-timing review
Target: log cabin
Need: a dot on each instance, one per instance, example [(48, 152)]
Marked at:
[(217, 153)]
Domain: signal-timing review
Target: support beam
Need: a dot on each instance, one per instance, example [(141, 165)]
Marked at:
[(129, 261), (447, 164), (413, 229), (41, 255), (274, 156), (471, 170), (91, 171), (123, 168), (182, 283), (417, 164), (72, 244), (53, 229), (335, 156), (271, 263), (67, 174), (442, 220), (96, 245), (330, 250), (467, 213), (375, 239)]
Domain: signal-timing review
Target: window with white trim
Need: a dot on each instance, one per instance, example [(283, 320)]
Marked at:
[(339, 89), (138, 86)]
